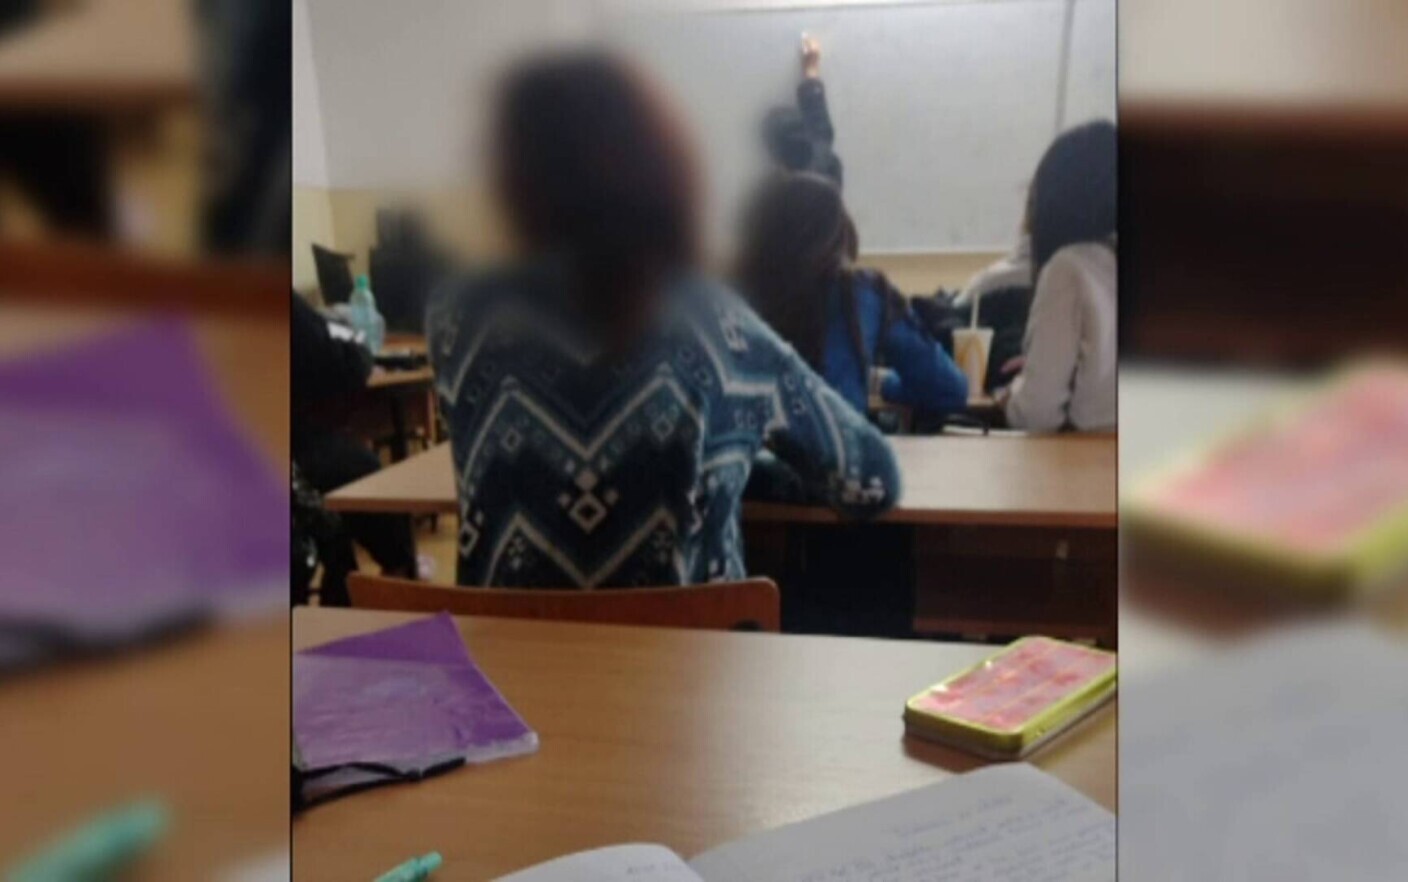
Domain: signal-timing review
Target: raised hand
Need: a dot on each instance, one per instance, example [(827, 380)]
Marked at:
[(811, 56)]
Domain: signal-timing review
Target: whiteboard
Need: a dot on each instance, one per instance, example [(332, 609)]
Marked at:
[(942, 110), (1091, 84)]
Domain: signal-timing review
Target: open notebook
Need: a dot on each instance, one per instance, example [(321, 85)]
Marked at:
[(1009, 822)]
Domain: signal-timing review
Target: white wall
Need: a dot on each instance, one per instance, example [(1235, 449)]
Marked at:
[(310, 155), (403, 84), (312, 209)]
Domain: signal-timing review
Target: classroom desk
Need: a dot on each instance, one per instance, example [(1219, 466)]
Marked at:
[(685, 738), (391, 389), (981, 407), (383, 378), (995, 535), (104, 58), (1026, 481), (403, 340), (84, 737), (1055, 481), (201, 723)]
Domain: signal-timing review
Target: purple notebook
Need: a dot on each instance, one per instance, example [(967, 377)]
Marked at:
[(407, 698), (132, 499)]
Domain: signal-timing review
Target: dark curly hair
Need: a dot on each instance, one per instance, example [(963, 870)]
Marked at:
[(594, 167)]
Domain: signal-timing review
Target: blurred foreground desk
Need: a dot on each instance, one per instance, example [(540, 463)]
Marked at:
[(77, 85), (203, 722), (685, 738), (105, 58)]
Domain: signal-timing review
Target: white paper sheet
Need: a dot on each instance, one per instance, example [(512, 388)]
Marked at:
[(1281, 759), (1008, 822), (617, 863)]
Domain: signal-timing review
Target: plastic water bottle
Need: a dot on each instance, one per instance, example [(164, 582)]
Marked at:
[(365, 317)]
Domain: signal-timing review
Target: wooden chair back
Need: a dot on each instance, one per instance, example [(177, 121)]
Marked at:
[(753, 604)]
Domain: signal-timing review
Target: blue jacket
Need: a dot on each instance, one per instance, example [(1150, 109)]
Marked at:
[(921, 374)]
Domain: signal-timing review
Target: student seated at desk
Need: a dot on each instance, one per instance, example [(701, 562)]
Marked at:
[(605, 401), (1068, 377), (799, 247), (327, 369)]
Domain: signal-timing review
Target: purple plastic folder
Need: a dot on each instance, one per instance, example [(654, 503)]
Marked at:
[(132, 500), (409, 698)]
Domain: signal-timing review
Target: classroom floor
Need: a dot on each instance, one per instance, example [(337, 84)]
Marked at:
[(439, 543), (436, 546)]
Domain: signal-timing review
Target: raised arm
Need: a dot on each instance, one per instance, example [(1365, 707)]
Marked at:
[(811, 95)]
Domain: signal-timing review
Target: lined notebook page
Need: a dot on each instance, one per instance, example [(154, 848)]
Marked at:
[(1009, 822), (618, 863)]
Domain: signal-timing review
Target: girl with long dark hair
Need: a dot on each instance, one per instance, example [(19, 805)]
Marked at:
[(1068, 379), (797, 268)]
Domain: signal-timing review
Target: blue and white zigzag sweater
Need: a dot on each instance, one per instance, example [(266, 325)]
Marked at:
[(579, 471)]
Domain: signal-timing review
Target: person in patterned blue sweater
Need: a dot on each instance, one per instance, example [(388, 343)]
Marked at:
[(605, 401)]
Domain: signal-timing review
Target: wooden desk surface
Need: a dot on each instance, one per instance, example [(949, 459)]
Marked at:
[(382, 378), (685, 738), (105, 56), (975, 402), (1065, 480), (403, 340), (202, 723), (1054, 481)]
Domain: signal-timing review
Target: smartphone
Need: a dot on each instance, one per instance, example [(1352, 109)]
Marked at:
[(1015, 701)]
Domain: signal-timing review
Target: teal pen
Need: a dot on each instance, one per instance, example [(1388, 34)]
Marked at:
[(98, 850), (413, 870)]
